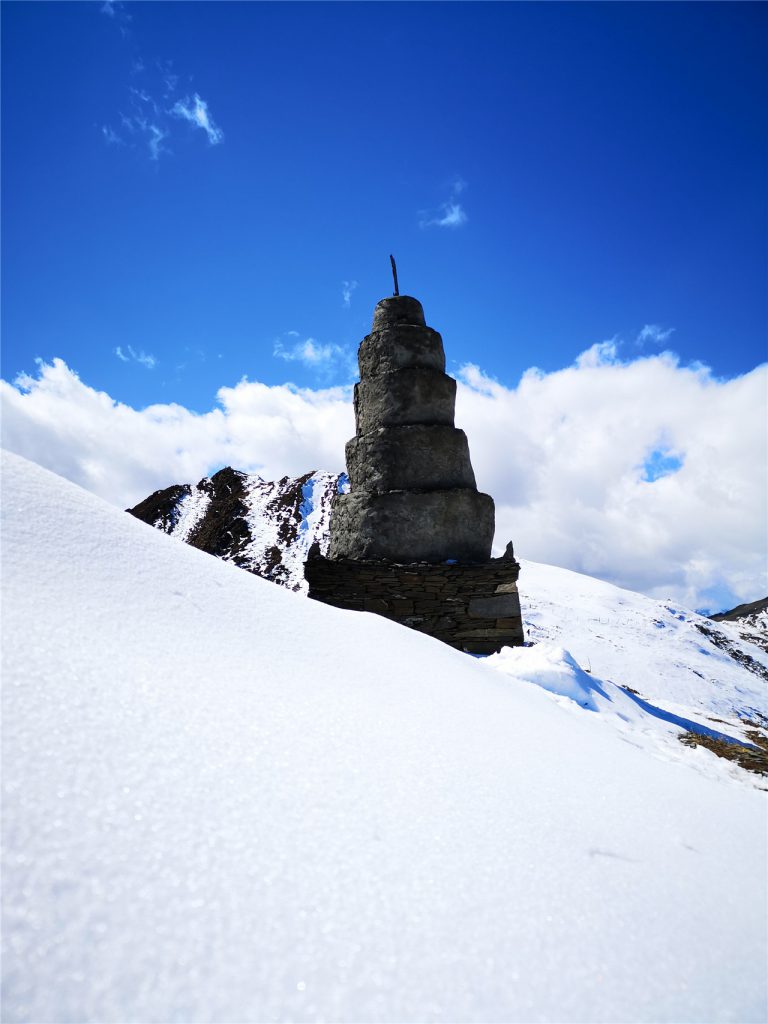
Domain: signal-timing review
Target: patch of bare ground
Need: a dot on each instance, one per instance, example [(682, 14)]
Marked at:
[(753, 758)]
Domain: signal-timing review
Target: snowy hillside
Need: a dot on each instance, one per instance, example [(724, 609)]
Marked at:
[(223, 802), (266, 527), (682, 661)]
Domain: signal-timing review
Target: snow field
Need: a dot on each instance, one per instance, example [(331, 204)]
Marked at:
[(223, 802)]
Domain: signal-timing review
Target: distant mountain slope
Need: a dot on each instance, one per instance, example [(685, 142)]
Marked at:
[(752, 619), (262, 526)]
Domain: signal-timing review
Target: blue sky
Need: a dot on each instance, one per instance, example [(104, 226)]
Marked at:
[(188, 186), (200, 200)]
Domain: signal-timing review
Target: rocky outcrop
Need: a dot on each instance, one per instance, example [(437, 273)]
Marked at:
[(266, 527)]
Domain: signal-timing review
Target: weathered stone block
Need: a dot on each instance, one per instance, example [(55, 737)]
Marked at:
[(409, 526), (398, 348), (500, 606), (415, 457), (413, 395), (398, 309), (514, 622)]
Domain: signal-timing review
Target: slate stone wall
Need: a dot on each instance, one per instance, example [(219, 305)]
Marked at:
[(475, 608)]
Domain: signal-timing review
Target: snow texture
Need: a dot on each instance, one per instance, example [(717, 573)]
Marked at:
[(223, 802)]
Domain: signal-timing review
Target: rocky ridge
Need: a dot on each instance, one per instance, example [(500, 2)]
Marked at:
[(265, 527)]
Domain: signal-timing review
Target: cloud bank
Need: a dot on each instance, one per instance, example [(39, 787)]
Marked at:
[(644, 472)]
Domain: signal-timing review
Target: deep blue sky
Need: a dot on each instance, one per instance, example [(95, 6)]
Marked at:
[(613, 161)]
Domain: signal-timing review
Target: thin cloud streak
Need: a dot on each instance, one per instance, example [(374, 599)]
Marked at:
[(655, 334), (131, 355), (347, 287), (196, 112), (149, 120)]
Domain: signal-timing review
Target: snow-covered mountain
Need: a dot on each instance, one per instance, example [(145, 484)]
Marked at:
[(265, 527), (225, 802), (633, 640)]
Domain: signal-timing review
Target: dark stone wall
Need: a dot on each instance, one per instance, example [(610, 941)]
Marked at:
[(475, 608)]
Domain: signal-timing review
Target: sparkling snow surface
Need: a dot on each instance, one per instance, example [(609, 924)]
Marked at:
[(223, 802)]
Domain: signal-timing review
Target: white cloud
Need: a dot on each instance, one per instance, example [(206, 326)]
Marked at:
[(148, 121), (196, 112), (139, 125), (573, 459), (111, 137), (655, 334), (123, 454), (131, 355), (450, 214), (347, 287), (311, 353), (631, 471)]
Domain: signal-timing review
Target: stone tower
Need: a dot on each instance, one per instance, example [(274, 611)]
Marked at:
[(412, 539)]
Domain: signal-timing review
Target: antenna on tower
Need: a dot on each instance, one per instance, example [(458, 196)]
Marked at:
[(394, 273)]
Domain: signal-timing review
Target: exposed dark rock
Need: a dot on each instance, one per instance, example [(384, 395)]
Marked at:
[(216, 516), (742, 611), (224, 530), (721, 641), (161, 508)]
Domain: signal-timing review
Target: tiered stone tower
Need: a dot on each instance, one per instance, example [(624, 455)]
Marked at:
[(412, 540)]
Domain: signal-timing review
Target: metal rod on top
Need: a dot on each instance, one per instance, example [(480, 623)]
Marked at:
[(394, 273)]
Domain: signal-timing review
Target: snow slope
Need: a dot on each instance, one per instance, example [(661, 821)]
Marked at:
[(223, 802), (681, 661)]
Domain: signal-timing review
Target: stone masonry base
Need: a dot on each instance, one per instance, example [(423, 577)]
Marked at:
[(475, 608)]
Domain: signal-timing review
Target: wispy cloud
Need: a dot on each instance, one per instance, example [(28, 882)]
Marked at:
[(347, 287), (130, 355), (111, 137), (196, 112), (450, 214), (327, 361), (115, 10), (309, 351), (654, 334), (151, 116)]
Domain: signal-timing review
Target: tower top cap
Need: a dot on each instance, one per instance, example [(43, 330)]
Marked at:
[(398, 309)]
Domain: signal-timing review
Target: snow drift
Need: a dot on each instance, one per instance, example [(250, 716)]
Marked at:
[(226, 803)]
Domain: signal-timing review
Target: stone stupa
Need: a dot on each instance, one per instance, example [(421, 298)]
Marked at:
[(412, 538)]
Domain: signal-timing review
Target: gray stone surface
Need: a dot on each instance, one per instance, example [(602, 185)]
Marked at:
[(410, 526), (416, 457), (433, 599), (395, 347), (398, 309), (500, 606), (413, 395)]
